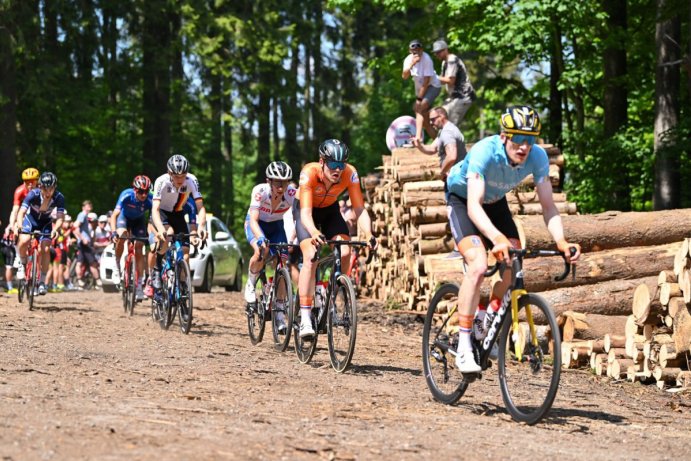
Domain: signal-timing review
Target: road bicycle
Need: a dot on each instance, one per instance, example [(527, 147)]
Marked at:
[(176, 287), (274, 294), (334, 311), (29, 285), (87, 279), (130, 276), (529, 344), (357, 270)]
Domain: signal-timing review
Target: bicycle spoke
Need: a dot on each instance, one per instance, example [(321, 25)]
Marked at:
[(342, 324), (282, 310), (256, 312)]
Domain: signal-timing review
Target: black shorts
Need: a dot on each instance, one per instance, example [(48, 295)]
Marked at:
[(176, 220), (462, 226), (9, 254), (328, 220), (86, 255)]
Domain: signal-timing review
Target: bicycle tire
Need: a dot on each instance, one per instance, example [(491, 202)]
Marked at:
[(342, 318), (131, 289), (437, 340), (31, 285), (529, 386), (183, 295), (304, 347), (256, 312), (21, 290), (124, 281), (282, 279)]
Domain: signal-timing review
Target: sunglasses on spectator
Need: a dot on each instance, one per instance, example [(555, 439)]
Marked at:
[(334, 165), (522, 139), (415, 46), (432, 119)]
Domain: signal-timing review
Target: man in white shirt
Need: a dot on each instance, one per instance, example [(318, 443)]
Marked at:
[(419, 65)]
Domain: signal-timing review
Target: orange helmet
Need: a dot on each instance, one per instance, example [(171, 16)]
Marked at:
[(30, 174)]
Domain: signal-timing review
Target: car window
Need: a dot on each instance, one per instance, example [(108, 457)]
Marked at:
[(215, 227)]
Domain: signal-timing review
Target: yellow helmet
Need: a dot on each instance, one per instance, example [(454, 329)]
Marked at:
[(30, 174), (520, 120)]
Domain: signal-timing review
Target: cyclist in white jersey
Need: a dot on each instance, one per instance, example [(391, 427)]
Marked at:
[(271, 202), (171, 192)]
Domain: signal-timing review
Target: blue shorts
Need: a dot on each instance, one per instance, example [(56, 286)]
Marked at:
[(45, 226), (273, 231), (136, 226)]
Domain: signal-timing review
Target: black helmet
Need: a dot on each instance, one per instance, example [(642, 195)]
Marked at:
[(333, 149), (177, 164), (47, 180), (520, 120), (279, 170)]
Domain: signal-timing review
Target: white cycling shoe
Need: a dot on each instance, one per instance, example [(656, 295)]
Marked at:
[(250, 295), (465, 362)]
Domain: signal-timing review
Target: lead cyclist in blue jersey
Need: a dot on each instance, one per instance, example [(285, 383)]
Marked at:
[(479, 214)]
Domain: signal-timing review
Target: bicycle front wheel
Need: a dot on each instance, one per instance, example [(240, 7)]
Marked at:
[(183, 295), (131, 289), (304, 347), (21, 289), (342, 324), (32, 283), (124, 286), (439, 339), (529, 383), (256, 312), (282, 310)]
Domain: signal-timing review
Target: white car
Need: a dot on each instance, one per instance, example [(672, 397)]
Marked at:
[(218, 263)]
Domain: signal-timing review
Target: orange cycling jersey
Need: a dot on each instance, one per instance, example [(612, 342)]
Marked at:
[(314, 193)]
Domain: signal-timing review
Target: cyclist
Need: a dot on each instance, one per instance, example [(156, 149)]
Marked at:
[(9, 252), (34, 214), (83, 232), (129, 218), (264, 222), (318, 218), (30, 179), (479, 214), (171, 191)]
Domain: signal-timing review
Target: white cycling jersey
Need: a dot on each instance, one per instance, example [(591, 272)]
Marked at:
[(173, 199), (261, 200)]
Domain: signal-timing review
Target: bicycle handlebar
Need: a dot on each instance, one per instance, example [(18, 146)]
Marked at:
[(278, 246), (528, 253), (354, 243)]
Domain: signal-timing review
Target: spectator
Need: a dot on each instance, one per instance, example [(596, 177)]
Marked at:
[(101, 236), (83, 231), (449, 145), (458, 87), (419, 65)]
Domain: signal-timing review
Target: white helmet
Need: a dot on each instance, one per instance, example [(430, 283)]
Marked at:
[(178, 164), (279, 170)]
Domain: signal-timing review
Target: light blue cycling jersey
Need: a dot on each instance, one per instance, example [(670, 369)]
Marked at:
[(487, 159)]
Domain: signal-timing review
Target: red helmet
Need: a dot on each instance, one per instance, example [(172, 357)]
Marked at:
[(141, 182)]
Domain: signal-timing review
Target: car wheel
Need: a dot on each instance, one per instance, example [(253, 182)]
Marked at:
[(208, 278), (237, 283)]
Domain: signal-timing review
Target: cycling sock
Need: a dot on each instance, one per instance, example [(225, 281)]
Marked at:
[(306, 311), (252, 276), (9, 285), (42, 277), (465, 323)]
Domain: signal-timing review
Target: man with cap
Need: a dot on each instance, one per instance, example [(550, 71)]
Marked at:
[(455, 76), (419, 65)]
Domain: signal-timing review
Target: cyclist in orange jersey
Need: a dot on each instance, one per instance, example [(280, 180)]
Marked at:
[(318, 217)]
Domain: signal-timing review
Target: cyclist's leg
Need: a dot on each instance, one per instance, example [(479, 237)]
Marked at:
[(255, 265), (306, 278), (335, 228), (121, 231), (137, 228)]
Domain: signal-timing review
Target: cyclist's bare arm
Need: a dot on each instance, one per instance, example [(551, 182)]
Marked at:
[(254, 222), (553, 219), (156, 218), (114, 219), (13, 217), (363, 220), (20, 218), (201, 217)]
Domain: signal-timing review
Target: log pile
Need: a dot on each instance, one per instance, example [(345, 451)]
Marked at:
[(649, 344), (408, 211)]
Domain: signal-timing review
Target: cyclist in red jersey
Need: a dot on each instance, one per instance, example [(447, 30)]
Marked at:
[(318, 218), (30, 178)]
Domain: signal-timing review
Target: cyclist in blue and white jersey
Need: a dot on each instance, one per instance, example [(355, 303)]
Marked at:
[(271, 202), (480, 218), (35, 214), (171, 191), (129, 217)]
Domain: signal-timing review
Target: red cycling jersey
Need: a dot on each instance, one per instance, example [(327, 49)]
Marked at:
[(20, 194)]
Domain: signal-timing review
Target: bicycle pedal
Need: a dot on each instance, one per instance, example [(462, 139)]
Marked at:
[(470, 377)]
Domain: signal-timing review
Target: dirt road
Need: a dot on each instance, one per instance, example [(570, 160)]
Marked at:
[(80, 380)]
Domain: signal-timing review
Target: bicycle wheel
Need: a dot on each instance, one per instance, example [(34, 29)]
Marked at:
[(183, 294), (282, 307), (304, 347), (131, 289), (342, 324), (439, 338), (32, 283), (21, 289), (124, 285), (256, 312), (529, 384)]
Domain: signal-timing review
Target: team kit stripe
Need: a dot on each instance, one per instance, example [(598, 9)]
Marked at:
[(182, 198)]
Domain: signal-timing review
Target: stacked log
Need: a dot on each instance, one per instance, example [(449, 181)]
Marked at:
[(408, 211), (655, 335)]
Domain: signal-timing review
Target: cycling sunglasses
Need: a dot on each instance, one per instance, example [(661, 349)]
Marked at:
[(142, 191), (335, 165), (523, 138)]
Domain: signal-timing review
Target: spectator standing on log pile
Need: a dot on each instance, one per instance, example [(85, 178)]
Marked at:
[(419, 65), (449, 144), (454, 75)]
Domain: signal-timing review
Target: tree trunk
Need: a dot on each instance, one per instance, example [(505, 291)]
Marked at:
[(555, 94), (214, 156), (291, 114), (264, 130), (8, 116), (667, 191), (611, 229)]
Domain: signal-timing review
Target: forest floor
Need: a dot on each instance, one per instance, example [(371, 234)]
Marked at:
[(81, 380)]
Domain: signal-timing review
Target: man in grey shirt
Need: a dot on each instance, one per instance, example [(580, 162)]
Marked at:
[(449, 144), (454, 75)]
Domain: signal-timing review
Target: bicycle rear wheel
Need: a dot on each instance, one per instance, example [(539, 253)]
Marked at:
[(342, 324), (183, 295), (32, 283), (256, 312), (304, 347), (282, 307), (439, 338), (21, 289), (529, 384)]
